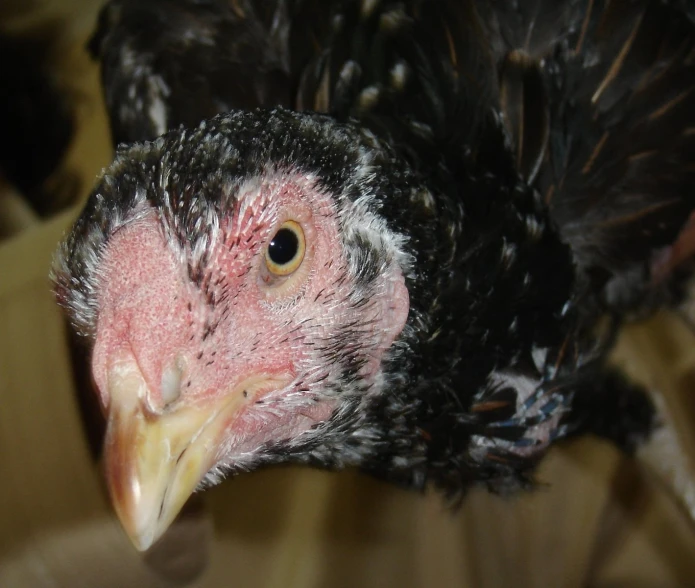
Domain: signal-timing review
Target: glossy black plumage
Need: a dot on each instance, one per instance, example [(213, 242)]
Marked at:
[(167, 63), (539, 157)]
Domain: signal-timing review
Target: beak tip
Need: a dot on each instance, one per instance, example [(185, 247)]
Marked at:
[(146, 501), (143, 541), (137, 527)]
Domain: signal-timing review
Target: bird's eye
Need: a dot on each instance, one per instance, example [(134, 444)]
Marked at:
[(285, 251)]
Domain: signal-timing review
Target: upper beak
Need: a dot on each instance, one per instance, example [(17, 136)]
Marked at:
[(154, 462)]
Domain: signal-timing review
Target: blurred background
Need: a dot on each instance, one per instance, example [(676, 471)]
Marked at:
[(597, 521)]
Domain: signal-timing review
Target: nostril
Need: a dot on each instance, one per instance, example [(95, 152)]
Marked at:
[(171, 381)]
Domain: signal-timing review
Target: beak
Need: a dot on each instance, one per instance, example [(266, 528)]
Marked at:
[(154, 461)]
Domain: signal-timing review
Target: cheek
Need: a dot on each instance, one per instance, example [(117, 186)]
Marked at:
[(248, 341), (255, 425)]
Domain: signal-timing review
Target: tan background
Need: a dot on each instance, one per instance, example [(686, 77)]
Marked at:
[(598, 522)]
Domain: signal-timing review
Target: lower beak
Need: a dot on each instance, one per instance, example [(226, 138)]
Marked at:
[(154, 462)]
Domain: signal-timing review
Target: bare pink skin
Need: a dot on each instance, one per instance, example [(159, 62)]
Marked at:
[(150, 311)]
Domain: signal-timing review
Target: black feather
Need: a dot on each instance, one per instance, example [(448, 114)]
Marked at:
[(167, 63)]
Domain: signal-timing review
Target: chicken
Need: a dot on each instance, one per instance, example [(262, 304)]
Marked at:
[(411, 258)]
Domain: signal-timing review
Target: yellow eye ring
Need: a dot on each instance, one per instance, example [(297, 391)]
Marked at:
[(285, 251)]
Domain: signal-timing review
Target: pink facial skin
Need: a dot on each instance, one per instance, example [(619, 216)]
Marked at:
[(197, 344)]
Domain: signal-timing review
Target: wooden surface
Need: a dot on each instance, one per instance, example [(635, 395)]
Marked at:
[(598, 522)]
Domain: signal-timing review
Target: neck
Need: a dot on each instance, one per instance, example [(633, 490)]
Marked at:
[(490, 293)]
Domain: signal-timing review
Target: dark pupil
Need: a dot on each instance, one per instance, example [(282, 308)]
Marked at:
[(283, 247)]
